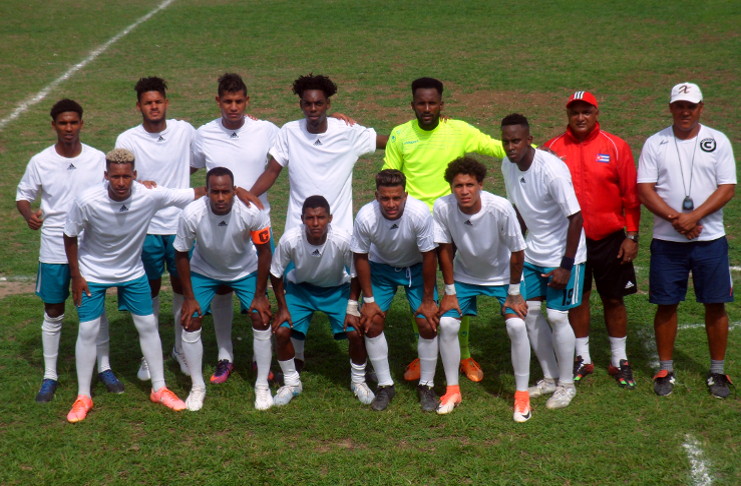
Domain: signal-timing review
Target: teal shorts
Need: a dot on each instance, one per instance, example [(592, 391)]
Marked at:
[(467, 294), (563, 299), (133, 296), (386, 279), (304, 299), (52, 282), (157, 253), (204, 289)]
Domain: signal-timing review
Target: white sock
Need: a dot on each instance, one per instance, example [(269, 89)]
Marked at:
[(103, 345), (222, 311), (149, 340), (87, 333), (539, 333), (582, 349), (51, 334), (564, 344), (192, 348), (290, 375), (450, 349), (427, 351), (262, 354), (617, 350), (378, 353), (177, 310), (357, 372), (298, 348), (520, 350), (156, 308)]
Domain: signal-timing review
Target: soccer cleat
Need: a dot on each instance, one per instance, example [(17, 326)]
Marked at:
[(384, 395), (223, 370), (167, 398), (561, 397), (180, 358), (427, 398), (143, 372), (523, 411), (664, 383), (194, 402), (79, 409), (412, 372), (111, 382), (363, 392), (449, 401), (263, 398), (582, 369), (719, 385), (472, 370), (286, 393), (623, 374), (46, 392), (546, 386)]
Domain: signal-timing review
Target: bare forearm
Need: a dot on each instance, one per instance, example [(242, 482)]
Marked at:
[(516, 263)]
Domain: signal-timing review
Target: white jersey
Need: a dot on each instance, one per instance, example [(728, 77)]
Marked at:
[(545, 198), (244, 151), (484, 241), (707, 161), (326, 265), (58, 180), (163, 157), (399, 242), (322, 164), (223, 245), (109, 250)]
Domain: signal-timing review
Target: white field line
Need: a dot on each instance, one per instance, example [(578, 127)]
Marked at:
[(699, 466), (28, 103), (646, 335)]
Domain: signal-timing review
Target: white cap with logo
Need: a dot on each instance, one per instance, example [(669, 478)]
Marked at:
[(686, 92)]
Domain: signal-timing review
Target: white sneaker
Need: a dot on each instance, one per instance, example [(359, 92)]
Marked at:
[(286, 393), (263, 398), (143, 373), (561, 397), (180, 358), (546, 386), (363, 392), (194, 402)]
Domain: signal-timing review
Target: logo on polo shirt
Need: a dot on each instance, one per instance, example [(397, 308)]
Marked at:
[(394, 226), (71, 166), (604, 158), (161, 139), (234, 135), (318, 142), (123, 209), (468, 222), (222, 223), (316, 253), (522, 180), (708, 145)]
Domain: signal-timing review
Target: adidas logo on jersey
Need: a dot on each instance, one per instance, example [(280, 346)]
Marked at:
[(123, 209), (468, 222), (161, 139), (394, 226), (316, 253), (318, 142), (234, 135), (71, 166), (522, 180), (629, 285), (222, 223)]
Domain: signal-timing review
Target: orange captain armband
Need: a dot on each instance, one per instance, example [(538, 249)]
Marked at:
[(260, 237)]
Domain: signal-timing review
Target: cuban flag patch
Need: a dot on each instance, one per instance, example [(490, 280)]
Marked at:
[(604, 158)]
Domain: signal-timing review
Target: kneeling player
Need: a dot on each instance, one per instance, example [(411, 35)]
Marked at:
[(489, 255), (321, 280)]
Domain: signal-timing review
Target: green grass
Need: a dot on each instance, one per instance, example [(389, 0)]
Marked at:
[(494, 58)]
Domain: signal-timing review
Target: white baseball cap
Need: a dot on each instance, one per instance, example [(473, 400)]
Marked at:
[(686, 92)]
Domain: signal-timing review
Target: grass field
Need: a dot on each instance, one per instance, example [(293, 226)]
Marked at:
[(495, 58)]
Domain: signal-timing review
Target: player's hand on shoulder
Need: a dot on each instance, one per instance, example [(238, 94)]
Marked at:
[(341, 116), (148, 184), (248, 198)]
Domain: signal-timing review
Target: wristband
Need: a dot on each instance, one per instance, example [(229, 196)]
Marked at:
[(513, 289), (368, 300), (352, 308), (567, 263), (449, 289)]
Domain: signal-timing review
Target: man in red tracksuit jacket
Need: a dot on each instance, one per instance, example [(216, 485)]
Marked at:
[(604, 176)]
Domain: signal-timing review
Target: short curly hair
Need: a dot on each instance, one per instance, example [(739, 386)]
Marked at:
[(119, 156), (65, 105), (310, 81), (467, 166), (152, 83), (231, 83)]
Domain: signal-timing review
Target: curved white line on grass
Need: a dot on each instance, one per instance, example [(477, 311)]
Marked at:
[(25, 105), (699, 466)]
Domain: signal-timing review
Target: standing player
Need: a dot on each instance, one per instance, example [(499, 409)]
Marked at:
[(686, 175), (489, 255), (114, 218), (57, 174), (161, 148), (232, 249), (422, 148), (604, 177), (321, 279), (240, 144), (539, 186), (393, 244)]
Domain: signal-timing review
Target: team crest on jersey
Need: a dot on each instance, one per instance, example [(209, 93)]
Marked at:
[(708, 145), (123, 209), (603, 158), (71, 166)]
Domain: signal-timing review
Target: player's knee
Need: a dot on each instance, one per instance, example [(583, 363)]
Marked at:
[(192, 337), (449, 327), (52, 324), (283, 336), (558, 318), (52, 311), (516, 328)]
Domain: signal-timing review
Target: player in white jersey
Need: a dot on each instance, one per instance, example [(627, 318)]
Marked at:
[(241, 144), (489, 256), (113, 220), (162, 151), (56, 175), (393, 245), (322, 279), (539, 187), (232, 250)]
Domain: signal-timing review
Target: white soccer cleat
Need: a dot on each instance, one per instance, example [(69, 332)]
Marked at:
[(561, 397), (143, 373), (285, 394), (194, 402), (180, 358), (546, 386), (363, 392), (263, 398)]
